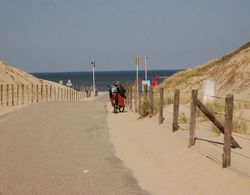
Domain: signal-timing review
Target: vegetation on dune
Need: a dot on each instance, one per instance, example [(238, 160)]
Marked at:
[(181, 77)]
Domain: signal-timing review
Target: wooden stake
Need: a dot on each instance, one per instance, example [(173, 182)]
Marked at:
[(37, 92), (135, 99), (151, 102), (32, 93), (161, 106), (42, 95), (12, 94), (175, 125), (130, 96), (50, 93), (17, 94), (192, 123), (23, 95), (226, 160), (7, 96), (139, 99)]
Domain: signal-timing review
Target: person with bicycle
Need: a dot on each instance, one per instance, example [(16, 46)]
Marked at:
[(113, 94)]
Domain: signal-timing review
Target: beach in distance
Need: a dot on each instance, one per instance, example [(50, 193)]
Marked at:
[(103, 78)]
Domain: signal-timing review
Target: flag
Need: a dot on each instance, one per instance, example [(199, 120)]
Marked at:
[(156, 77), (154, 83)]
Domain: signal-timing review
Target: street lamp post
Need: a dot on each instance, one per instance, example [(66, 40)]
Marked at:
[(94, 88)]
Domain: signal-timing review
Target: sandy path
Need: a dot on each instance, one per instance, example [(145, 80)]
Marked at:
[(163, 163), (61, 148)]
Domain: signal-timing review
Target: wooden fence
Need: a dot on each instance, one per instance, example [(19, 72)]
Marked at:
[(195, 103), (20, 94)]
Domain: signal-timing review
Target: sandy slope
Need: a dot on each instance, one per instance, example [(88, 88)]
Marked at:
[(163, 163), (231, 74)]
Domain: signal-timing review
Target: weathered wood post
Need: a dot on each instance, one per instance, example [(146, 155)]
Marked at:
[(58, 94), (175, 125), (1, 94), (135, 99), (37, 93), (192, 123), (127, 93), (145, 103), (17, 94), (228, 127), (161, 106), (54, 92), (7, 94), (130, 96), (50, 93), (42, 95), (47, 93), (151, 102), (23, 95), (32, 93), (12, 94), (139, 99), (61, 94)]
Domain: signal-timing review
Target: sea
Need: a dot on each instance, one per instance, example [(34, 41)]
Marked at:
[(103, 79)]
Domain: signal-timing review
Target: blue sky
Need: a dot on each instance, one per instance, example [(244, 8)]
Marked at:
[(64, 35)]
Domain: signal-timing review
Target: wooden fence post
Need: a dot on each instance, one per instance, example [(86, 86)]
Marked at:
[(23, 95), (135, 99), (37, 92), (130, 96), (151, 102), (139, 99), (228, 126), (12, 94), (61, 94), (42, 95), (127, 92), (17, 94), (175, 125), (192, 123), (145, 103), (54, 94), (47, 93), (1, 94), (50, 93), (7, 94), (32, 93), (58, 98), (161, 106)]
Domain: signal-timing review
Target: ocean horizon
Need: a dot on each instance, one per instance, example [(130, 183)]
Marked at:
[(102, 78)]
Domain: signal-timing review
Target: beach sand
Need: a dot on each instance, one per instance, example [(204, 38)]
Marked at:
[(163, 163)]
